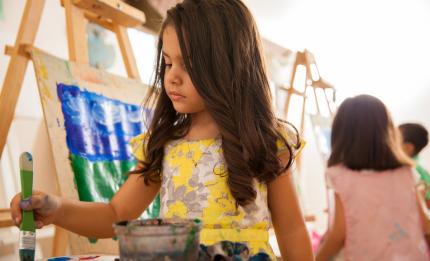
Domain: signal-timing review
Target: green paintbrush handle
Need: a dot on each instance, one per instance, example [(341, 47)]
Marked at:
[(26, 173)]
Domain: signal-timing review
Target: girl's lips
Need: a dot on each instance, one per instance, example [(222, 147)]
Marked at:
[(176, 96)]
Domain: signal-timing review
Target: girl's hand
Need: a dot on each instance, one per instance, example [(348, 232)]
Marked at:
[(45, 208)]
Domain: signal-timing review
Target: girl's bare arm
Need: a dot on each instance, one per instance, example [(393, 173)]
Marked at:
[(334, 238), (291, 233), (89, 218)]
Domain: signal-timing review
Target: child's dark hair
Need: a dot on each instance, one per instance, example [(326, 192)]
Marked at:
[(222, 53), (364, 137), (416, 134)]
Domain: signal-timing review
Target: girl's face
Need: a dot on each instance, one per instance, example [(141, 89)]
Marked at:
[(177, 82)]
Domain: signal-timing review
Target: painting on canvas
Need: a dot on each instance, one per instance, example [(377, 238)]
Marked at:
[(91, 115)]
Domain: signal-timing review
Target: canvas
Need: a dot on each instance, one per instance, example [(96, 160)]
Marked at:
[(321, 126), (91, 116)]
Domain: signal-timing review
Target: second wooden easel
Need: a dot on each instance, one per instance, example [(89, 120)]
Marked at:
[(114, 15), (312, 79)]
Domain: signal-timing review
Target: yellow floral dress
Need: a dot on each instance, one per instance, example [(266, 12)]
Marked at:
[(194, 185)]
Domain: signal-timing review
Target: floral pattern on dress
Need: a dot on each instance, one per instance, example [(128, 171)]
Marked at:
[(194, 185)]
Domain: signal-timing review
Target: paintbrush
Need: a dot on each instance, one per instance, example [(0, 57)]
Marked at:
[(27, 235)]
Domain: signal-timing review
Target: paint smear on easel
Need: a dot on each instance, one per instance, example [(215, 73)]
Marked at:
[(42, 71), (45, 93)]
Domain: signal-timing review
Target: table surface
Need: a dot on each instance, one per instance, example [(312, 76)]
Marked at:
[(89, 257)]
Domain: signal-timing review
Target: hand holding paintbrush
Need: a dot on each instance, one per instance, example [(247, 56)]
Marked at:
[(34, 211), (43, 205)]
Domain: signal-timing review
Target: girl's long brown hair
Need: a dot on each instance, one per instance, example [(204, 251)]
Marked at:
[(222, 54), (364, 137)]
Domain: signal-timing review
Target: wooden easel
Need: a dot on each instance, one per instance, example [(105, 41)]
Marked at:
[(114, 15), (312, 80)]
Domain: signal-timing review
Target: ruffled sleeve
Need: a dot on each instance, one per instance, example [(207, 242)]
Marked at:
[(293, 139), (138, 145)]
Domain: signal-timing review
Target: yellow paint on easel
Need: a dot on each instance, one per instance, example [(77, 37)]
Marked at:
[(42, 71), (44, 92)]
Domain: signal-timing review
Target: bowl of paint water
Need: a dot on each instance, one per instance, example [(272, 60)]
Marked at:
[(158, 239)]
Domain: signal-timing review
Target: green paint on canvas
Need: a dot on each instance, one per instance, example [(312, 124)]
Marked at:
[(98, 181)]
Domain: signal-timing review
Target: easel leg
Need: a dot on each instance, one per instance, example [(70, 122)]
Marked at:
[(17, 66), (302, 129), (126, 51), (60, 242), (76, 33)]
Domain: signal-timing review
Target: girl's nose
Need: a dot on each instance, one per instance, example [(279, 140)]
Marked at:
[(173, 76)]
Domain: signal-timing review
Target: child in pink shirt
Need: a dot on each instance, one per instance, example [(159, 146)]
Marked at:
[(378, 210)]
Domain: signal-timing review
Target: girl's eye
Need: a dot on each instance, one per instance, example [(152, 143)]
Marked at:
[(168, 65)]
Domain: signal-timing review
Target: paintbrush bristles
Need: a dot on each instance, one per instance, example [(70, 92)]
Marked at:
[(26, 161)]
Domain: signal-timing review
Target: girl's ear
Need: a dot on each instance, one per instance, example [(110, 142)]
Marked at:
[(408, 148)]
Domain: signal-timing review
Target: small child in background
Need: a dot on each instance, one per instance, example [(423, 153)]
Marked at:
[(415, 138), (379, 211)]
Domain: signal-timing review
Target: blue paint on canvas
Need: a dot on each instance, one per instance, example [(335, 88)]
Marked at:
[(97, 127)]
